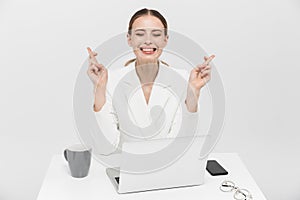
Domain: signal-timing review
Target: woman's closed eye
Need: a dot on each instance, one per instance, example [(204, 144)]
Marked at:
[(140, 34), (156, 34)]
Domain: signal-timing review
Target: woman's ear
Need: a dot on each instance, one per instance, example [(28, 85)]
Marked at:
[(129, 40), (166, 38)]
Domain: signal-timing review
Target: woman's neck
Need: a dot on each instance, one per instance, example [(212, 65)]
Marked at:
[(147, 72)]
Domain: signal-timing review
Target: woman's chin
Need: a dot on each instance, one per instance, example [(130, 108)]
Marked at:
[(147, 58)]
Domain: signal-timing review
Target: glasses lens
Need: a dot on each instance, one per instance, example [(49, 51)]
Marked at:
[(242, 194), (227, 186)]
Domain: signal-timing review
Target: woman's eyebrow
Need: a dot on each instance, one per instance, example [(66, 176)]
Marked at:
[(156, 30), (153, 30), (139, 30)]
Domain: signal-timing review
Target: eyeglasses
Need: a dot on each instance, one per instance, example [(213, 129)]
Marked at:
[(240, 194)]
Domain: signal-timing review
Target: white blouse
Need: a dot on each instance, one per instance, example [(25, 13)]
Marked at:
[(118, 130)]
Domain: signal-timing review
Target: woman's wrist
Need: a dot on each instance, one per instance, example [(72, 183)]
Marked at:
[(100, 98), (192, 99), (99, 88)]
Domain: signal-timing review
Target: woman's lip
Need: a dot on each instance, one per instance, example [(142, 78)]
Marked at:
[(148, 52)]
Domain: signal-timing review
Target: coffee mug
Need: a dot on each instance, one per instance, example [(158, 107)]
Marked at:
[(79, 159)]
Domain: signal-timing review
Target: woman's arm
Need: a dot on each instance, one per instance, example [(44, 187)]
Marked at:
[(192, 98), (108, 123), (100, 98), (98, 75), (199, 76), (105, 115)]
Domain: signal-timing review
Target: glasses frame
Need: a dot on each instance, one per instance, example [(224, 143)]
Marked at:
[(246, 193)]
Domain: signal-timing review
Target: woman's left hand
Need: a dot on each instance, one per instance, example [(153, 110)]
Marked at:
[(201, 74)]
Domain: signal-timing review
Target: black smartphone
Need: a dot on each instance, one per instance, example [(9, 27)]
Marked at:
[(215, 169)]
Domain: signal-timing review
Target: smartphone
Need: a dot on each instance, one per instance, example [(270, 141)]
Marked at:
[(215, 169)]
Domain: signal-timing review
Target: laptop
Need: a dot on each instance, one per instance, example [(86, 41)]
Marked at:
[(159, 171)]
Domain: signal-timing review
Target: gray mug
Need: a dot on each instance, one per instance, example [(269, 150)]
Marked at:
[(79, 159)]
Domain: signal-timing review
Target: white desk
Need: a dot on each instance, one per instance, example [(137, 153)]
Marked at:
[(59, 185)]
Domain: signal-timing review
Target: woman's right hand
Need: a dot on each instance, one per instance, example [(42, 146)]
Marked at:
[(96, 72), (98, 75)]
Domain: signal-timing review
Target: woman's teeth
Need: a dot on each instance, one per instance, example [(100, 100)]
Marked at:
[(148, 50)]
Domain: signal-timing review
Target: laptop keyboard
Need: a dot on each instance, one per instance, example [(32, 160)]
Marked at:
[(117, 179)]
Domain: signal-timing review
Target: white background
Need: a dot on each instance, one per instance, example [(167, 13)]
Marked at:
[(257, 48)]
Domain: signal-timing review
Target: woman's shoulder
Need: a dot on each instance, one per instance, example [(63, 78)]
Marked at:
[(116, 73), (170, 68), (119, 70)]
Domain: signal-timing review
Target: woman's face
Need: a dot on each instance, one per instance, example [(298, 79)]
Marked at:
[(147, 38)]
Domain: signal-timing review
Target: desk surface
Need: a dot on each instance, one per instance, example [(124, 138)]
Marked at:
[(59, 185)]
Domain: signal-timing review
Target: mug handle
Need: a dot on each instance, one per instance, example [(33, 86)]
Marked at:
[(65, 154)]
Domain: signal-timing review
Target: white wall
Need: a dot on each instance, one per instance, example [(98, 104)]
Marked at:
[(257, 44)]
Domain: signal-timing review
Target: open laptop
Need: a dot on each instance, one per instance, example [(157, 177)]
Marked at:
[(186, 170)]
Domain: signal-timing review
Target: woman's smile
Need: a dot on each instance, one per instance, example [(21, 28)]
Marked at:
[(148, 50)]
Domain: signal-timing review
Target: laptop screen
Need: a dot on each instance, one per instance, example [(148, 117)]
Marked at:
[(117, 179)]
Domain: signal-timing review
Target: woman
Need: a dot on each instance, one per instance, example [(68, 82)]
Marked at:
[(147, 35)]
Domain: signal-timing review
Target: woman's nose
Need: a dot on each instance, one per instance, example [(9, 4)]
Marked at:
[(148, 39), (148, 42)]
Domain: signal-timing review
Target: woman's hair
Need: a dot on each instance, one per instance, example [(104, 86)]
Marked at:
[(146, 12), (150, 12)]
